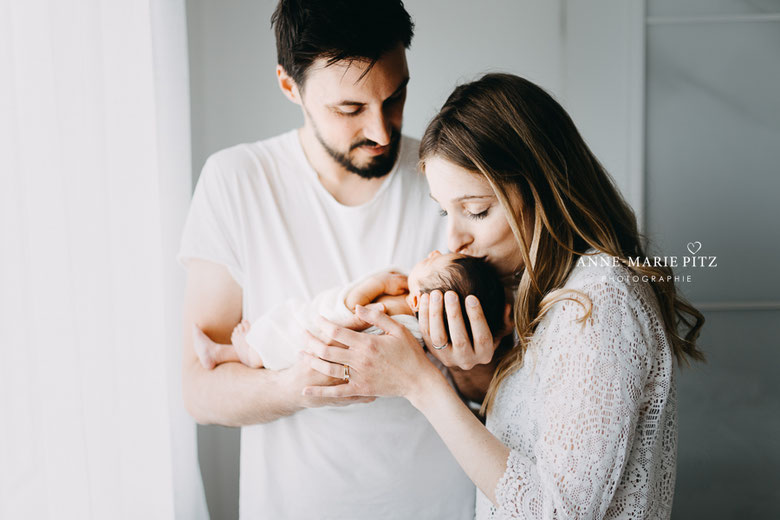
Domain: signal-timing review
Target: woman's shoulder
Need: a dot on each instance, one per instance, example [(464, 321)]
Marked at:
[(605, 307), (608, 282)]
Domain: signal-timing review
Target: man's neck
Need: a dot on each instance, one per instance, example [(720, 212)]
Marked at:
[(346, 187)]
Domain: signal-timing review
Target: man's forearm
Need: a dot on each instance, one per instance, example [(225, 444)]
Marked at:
[(234, 395)]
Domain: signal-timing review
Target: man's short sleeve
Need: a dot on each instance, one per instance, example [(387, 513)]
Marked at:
[(212, 228)]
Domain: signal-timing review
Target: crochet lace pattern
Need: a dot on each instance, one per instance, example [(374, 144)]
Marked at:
[(591, 416)]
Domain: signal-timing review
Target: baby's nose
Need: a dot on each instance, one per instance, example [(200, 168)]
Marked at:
[(434, 253)]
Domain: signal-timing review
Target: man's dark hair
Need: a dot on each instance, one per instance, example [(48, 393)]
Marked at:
[(337, 30), (472, 275)]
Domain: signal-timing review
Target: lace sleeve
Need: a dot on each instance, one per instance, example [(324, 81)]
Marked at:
[(591, 377)]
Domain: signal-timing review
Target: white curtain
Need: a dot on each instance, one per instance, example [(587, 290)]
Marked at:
[(94, 187)]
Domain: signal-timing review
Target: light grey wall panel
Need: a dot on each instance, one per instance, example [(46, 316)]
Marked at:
[(218, 454), (729, 416), (711, 7), (713, 153), (232, 80), (456, 42), (713, 176)]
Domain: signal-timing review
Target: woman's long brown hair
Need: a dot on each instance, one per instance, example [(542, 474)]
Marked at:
[(527, 147)]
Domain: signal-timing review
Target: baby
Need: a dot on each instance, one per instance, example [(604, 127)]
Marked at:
[(270, 341)]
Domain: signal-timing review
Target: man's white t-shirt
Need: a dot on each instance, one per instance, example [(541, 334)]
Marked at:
[(260, 210)]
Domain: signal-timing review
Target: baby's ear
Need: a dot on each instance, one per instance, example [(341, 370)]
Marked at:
[(412, 301)]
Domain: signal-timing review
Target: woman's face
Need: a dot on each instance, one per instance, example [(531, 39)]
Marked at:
[(476, 222)]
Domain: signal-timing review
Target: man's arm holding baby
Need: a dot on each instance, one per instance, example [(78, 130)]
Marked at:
[(232, 394)]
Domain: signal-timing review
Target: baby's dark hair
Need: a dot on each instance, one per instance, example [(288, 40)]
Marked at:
[(471, 275)]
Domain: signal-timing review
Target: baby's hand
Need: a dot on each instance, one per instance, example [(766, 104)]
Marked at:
[(370, 289), (354, 323)]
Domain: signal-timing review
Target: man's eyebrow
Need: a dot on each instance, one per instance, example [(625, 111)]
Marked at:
[(351, 103), (347, 102), (402, 86)]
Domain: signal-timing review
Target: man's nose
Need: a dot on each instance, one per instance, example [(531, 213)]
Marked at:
[(378, 129)]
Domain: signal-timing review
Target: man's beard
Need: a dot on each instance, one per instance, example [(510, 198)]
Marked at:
[(378, 166)]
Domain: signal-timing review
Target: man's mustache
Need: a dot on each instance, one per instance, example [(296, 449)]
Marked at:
[(394, 137)]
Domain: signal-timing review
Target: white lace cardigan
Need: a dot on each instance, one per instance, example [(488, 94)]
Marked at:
[(591, 416)]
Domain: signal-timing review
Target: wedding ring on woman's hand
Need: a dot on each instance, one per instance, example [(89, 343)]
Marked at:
[(441, 347), (346, 373)]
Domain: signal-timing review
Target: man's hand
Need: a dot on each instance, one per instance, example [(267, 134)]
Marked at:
[(232, 394), (301, 375)]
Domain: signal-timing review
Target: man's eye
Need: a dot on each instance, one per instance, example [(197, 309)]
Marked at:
[(348, 112)]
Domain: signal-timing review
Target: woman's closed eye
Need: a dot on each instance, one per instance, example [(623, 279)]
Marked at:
[(472, 215), (478, 216)]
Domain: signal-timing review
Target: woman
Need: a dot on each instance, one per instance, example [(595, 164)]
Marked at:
[(581, 412)]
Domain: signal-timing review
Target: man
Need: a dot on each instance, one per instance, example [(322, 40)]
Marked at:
[(296, 214)]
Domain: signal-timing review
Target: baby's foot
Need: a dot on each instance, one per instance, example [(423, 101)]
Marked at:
[(238, 337), (204, 347), (241, 347)]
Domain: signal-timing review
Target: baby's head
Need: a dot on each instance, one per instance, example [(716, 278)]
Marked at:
[(465, 275)]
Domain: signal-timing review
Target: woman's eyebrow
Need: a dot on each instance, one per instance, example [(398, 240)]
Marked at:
[(464, 197), (469, 197)]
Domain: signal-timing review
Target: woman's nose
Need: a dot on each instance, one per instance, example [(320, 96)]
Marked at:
[(458, 240)]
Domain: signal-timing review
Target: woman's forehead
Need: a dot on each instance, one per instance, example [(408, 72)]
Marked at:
[(449, 182)]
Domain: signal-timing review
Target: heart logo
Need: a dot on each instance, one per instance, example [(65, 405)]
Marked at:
[(693, 247)]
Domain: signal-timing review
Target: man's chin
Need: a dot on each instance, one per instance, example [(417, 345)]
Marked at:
[(377, 166)]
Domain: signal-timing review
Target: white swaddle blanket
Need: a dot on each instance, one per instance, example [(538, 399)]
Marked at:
[(278, 335)]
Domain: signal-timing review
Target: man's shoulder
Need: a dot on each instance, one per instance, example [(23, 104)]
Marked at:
[(411, 142), (252, 155), (408, 166), (408, 154)]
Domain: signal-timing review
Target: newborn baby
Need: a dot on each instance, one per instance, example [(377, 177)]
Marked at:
[(271, 340)]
